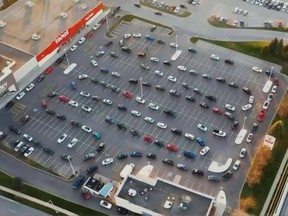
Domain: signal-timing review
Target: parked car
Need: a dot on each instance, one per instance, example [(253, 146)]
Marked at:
[(197, 172), (227, 175), (78, 181), (168, 161)]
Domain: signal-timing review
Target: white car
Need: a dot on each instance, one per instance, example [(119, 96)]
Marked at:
[(257, 69), (215, 57), (27, 137), (202, 127), (182, 68), (86, 129), (115, 74), (72, 142), (107, 161), (29, 152), (74, 47), (161, 125), (94, 63), (153, 106), (236, 165), (266, 105), (107, 101), (105, 204), (246, 107), (242, 153), (85, 94), (270, 97), (159, 73), (249, 138), (140, 100), (230, 107), (251, 99), (20, 95), (73, 103), (62, 138), (204, 151), (172, 79), (126, 36), (30, 87), (149, 119), (136, 113), (154, 59), (95, 27), (189, 136), (174, 45), (86, 108), (81, 41), (82, 76), (245, 12), (137, 35), (274, 89), (235, 9)]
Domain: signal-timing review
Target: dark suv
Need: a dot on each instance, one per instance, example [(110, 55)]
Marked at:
[(176, 131), (227, 175), (134, 81), (197, 172), (169, 112), (211, 97), (228, 61)]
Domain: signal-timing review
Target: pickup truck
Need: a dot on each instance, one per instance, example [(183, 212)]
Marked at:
[(219, 133)]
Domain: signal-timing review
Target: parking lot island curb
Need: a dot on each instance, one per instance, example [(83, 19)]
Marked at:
[(40, 202), (218, 167)]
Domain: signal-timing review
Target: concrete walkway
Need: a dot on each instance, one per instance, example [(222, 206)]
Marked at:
[(40, 202)]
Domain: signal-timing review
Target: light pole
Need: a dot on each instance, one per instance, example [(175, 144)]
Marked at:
[(176, 42), (141, 89), (244, 122), (108, 28), (271, 71), (66, 56), (71, 166)]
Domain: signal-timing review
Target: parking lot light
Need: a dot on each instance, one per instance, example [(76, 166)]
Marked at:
[(74, 173), (176, 43), (108, 28), (141, 89), (66, 56), (244, 122), (271, 71)]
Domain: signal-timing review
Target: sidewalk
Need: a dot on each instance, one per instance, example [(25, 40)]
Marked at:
[(40, 202)]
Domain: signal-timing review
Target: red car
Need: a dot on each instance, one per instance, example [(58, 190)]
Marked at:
[(86, 196), (127, 94), (44, 104), (89, 35), (172, 148), (64, 98), (276, 81), (261, 116), (148, 139), (142, 54), (25, 119), (216, 110), (48, 70)]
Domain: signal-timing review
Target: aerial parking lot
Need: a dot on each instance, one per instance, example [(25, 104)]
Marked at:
[(129, 99)]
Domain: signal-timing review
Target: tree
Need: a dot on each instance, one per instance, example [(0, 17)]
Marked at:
[(272, 45), (264, 51), (279, 48), (238, 212), (247, 203), (16, 183)]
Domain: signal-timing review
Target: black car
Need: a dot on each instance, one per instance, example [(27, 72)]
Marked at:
[(2, 135), (15, 130), (247, 90), (108, 43), (50, 112), (190, 98), (167, 63), (66, 157), (62, 117), (190, 49), (78, 181), (59, 60), (176, 131), (210, 97), (227, 175), (169, 112), (104, 70), (38, 144), (95, 80), (126, 49), (161, 41), (198, 91), (40, 78), (75, 123), (254, 128), (158, 13), (146, 84), (122, 211), (270, 73), (9, 105), (122, 156), (134, 81), (204, 105), (221, 79), (235, 125), (159, 87), (197, 172), (134, 133), (153, 28), (121, 126), (114, 55), (168, 161), (137, 5), (48, 150), (159, 143), (232, 84), (228, 61), (122, 107), (100, 147), (186, 86), (24, 148), (151, 155), (91, 169)]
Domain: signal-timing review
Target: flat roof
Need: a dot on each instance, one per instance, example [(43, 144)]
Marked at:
[(43, 18), (154, 199)]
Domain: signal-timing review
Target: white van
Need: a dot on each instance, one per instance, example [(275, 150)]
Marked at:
[(127, 170)]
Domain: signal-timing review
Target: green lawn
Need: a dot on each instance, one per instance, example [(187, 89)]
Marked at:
[(5, 180)]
